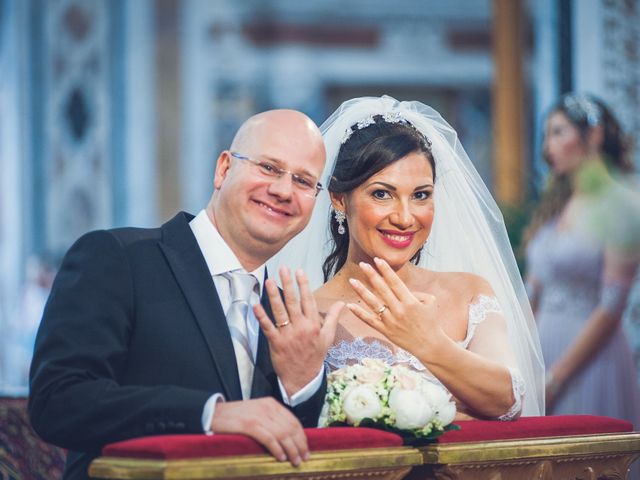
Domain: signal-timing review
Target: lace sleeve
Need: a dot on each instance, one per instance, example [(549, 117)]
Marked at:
[(478, 312), (486, 335), (518, 386)]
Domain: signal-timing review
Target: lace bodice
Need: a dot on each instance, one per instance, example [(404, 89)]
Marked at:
[(348, 352), (353, 350)]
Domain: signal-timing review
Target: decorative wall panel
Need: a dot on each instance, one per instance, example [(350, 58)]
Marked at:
[(621, 81), (621, 62), (76, 148)]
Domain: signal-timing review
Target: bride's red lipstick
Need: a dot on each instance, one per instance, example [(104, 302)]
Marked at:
[(397, 239)]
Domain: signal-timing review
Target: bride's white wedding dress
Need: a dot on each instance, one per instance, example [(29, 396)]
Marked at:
[(349, 349)]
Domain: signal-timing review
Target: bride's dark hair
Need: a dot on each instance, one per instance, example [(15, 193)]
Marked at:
[(367, 151)]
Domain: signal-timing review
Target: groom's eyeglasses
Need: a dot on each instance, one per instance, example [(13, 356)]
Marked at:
[(307, 185)]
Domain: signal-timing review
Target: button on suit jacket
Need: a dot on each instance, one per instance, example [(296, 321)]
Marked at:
[(134, 341)]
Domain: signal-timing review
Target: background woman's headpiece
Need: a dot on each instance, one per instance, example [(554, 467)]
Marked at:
[(581, 107)]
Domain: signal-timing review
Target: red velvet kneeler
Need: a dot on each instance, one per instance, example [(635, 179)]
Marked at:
[(173, 447), (534, 427)]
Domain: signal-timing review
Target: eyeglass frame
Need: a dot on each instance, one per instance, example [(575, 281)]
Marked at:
[(278, 172)]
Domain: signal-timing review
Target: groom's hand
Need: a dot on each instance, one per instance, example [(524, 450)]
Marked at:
[(266, 421), (299, 338)]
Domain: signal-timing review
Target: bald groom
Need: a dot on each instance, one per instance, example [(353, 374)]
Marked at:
[(151, 331)]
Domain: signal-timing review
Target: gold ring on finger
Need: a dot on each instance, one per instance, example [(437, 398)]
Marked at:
[(283, 324), (381, 310)]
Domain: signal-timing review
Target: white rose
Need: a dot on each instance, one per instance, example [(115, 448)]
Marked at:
[(355, 370), (337, 375), (436, 395), (374, 364), (361, 402), (440, 400), (410, 407), (406, 381), (446, 413), (405, 378), (370, 376)]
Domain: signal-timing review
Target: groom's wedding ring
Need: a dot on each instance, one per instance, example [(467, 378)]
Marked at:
[(381, 310), (283, 324)]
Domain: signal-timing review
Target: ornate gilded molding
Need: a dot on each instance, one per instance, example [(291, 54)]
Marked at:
[(382, 463), (588, 457), (623, 443), (607, 456)]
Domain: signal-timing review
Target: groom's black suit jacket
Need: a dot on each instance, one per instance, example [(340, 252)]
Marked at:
[(133, 342)]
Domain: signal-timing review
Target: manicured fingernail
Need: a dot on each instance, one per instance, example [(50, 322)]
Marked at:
[(353, 281), (296, 462), (377, 260), (282, 458), (364, 265), (306, 456)]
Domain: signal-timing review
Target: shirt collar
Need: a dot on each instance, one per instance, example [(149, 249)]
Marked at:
[(217, 254)]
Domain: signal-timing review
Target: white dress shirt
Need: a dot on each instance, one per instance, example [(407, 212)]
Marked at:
[(220, 259)]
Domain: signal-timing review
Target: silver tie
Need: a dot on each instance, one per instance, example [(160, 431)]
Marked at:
[(242, 284)]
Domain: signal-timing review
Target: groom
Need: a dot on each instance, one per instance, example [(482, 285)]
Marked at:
[(140, 335)]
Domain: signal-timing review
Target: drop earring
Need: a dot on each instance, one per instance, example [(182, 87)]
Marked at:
[(340, 218)]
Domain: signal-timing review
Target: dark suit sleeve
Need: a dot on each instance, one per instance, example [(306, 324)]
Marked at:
[(77, 400), (308, 412)]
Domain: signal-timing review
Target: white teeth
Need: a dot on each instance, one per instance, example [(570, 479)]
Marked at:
[(272, 210), (397, 238), (267, 207)]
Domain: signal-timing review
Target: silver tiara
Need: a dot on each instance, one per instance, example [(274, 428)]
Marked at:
[(580, 106), (389, 117)]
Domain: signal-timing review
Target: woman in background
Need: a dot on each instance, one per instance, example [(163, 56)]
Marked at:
[(582, 256)]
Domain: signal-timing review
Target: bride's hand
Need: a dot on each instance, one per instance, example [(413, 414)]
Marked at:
[(408, 319)]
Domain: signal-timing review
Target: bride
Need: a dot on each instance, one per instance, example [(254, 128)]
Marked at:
[(419, 253)]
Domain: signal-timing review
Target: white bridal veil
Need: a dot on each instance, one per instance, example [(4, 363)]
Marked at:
[(468, 232)]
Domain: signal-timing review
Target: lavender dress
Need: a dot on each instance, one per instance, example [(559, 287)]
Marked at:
[(568, 267)]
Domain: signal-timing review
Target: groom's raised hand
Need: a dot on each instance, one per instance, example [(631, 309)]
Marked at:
[(299, 337)]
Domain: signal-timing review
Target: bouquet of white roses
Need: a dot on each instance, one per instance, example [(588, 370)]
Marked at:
[(394, 398)]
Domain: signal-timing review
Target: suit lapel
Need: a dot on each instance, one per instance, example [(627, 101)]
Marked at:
[(189, 267)]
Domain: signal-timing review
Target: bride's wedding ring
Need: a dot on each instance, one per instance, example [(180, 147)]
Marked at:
[(283, 324), (381, 310)]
